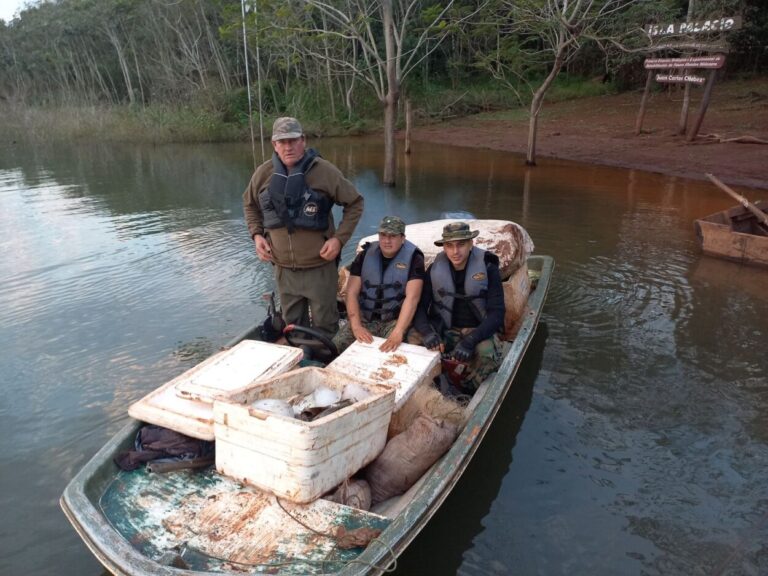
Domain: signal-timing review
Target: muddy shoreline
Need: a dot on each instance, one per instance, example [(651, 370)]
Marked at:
[(600, 130)]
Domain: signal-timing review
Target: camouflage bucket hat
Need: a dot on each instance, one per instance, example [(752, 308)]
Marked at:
[(456, 231), (285, 128), (392, 225)]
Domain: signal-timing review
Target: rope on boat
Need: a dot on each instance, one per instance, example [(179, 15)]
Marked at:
[(391, 567)]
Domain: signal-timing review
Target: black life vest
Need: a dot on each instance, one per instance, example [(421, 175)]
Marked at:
[(383, 292), (475, 285), (289, 202)]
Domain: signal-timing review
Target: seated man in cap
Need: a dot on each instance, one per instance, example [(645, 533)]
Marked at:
[(383, 289), (288, 208), (462, 305)]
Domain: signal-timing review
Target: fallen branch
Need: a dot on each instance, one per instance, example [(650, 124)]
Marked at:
[(717, 139)]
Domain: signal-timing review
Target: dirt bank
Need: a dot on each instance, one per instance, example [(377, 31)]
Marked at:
[(601, 130)]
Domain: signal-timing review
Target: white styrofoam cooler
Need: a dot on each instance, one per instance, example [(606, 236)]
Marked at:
[(404, 369), (185, 404), (291, 458)]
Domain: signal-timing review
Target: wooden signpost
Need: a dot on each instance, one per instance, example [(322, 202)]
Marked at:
[(678, 70)]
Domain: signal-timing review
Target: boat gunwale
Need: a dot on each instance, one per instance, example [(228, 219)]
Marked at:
[(113, 551), (732, 212)]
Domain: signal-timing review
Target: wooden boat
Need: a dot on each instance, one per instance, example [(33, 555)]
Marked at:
[(735, 234), (200, 522)]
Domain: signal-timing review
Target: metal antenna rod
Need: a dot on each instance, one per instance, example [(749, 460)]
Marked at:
[(258, 80)]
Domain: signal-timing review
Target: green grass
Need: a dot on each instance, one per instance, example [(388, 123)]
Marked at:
[(224, 117)]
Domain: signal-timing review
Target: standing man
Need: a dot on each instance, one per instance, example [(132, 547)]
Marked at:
[(287, 208), (462, 305), (383, 288)]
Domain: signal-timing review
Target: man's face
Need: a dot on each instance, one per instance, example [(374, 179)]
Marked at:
[(458, 252), (289, 150), (390, 244)]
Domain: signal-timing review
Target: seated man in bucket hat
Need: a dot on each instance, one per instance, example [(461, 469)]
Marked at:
[(462, 306), (383, 289)]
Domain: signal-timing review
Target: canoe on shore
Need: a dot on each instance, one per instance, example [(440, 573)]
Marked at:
[(192, 522), (734, 234)]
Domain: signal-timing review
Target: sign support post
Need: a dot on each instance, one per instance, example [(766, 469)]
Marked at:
[(641, 112), (693, 132)]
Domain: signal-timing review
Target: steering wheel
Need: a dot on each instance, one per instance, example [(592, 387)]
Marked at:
[(313, 342)]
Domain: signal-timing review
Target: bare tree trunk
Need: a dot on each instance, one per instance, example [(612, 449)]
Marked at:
[(115, 41), (215, 49), (536, 103), (408, 121), (328, 75), (533, 121), (392, 97), (351, 86)]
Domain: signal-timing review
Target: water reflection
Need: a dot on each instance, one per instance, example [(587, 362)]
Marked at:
[(643, 447), (458, 525)]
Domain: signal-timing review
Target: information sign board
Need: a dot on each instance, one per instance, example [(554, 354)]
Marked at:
[(715, 61)]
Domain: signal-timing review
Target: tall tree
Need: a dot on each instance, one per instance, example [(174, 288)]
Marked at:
[(392, 38)]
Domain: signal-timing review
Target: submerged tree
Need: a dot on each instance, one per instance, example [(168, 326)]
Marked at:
[(389, 39)]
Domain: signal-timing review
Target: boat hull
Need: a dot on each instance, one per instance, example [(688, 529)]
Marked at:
[(734, 235), (131, 551)]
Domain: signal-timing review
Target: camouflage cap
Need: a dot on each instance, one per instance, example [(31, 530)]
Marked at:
[(392, 225), (286, 127), (456, 231)]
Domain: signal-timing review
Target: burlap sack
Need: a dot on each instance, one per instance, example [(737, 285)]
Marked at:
[(516, 291), (407, 456), (427, 399), (355, 493)]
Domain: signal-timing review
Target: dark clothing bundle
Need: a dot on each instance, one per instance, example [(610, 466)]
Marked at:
[(155, 442)]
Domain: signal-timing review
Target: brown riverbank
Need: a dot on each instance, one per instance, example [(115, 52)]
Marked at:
[(600, 130)]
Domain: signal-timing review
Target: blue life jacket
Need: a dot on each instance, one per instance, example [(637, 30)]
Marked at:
[(289, 202), (475, 285), (384, 291)]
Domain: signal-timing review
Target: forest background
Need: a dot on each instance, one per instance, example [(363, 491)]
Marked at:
[(162, 70)]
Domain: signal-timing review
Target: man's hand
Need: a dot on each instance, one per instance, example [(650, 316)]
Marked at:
[(330, 249), (431, 341), (361, 333), (263, 249), (463, 351), (394, 340)]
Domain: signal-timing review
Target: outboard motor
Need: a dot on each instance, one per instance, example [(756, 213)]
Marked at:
[(272, 327)]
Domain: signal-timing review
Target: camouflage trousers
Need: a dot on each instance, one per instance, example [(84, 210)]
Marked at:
[(344, 337), (485, 361)]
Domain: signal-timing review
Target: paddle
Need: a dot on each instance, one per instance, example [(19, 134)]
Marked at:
[(762, 219)]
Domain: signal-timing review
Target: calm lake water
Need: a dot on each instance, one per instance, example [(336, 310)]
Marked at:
[(634, 441)]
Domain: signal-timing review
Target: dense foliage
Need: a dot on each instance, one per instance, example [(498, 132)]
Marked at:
[(462, 56)]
